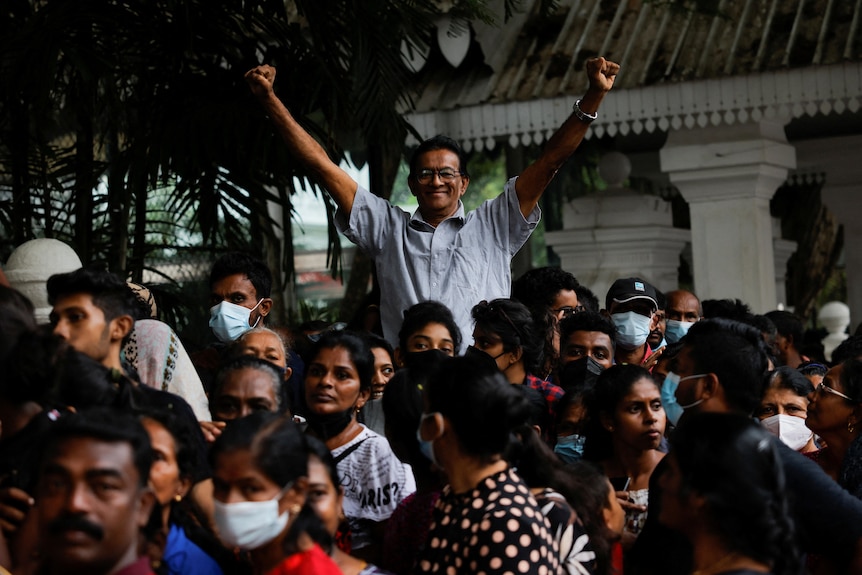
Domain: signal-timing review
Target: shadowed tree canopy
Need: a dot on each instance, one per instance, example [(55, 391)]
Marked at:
[(126, 128)]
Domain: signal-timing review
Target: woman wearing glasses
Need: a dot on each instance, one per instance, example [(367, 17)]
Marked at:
[(835, 414)]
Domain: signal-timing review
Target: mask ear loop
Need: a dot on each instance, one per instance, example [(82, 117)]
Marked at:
[(257, 321)]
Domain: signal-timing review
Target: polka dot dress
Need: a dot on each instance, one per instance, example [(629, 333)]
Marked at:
[(496, 528)]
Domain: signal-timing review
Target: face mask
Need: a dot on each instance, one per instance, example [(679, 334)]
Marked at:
[(668, 396), (580, 373), (483, 358), (426, 447), (229, 321), (632, 329), (250, 524), (329, 424), (676, 330), (791, 430), (424, 360), (570, 448)]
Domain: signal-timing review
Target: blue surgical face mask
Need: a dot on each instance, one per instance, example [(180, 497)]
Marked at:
[(570, 448), (668, 397), (229, 321), (632, 329), (672, 408), (676, 330)]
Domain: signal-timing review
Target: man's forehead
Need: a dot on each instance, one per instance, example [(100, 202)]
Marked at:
[(246, 379), (84, 454), (589, 338), (683, 359), (440, 158), (79, 300), (232, 284), (682, 300)]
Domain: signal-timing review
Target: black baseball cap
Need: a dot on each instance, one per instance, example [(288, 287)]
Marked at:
[(627, 289)]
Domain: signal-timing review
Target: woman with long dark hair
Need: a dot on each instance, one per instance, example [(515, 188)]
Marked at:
[(835, 414), (486, 519), (505, 337), (190, 548), (337, 384), (724, 490), (626, 423), (260, 487)]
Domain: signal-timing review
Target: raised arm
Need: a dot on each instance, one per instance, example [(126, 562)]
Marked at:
[(531, 184), (302, 145)]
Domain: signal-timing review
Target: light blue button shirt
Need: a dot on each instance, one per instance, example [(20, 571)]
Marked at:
[(464, 260)]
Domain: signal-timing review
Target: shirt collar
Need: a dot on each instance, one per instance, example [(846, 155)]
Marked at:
[(418, 222)]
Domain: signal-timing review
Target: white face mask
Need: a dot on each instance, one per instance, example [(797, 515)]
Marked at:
[(790, 429), (632, 329), (250, 524), (229, 321)]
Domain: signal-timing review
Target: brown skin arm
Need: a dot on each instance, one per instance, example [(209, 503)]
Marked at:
[(531, 184), (341, 187)]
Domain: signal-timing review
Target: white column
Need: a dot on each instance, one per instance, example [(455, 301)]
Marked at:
[(782, 249), (619, 233), (610, 237), (727, 175)]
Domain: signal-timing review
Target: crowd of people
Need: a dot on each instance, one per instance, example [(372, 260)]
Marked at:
[(464, 424)]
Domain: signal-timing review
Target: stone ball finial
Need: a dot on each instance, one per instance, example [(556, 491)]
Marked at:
[(32, 263), (835, 317), (614, 168)]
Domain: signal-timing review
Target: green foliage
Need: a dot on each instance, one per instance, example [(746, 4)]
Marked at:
[(127, 131), (126, 128)]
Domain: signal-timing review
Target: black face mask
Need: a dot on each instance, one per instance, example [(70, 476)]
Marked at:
[(483, 358), (423, 361), (329, 424), (580, 373)]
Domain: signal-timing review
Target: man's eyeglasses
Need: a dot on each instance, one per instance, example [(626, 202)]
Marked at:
[(823, 387), (567, 311), (446, 175)]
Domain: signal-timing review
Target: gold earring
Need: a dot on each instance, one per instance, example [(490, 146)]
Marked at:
[(294, 509), (851, 426), (178, 497)]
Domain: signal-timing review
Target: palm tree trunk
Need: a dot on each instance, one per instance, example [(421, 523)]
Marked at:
[(84, 170), (22, 224), (139, 241), (119, 203)]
